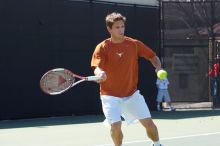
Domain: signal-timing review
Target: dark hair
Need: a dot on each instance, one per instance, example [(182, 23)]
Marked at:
[(113, 17)]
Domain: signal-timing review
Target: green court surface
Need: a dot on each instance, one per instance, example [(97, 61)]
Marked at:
[(180, 128)]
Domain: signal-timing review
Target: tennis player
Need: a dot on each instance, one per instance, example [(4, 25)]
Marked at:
[(116, 61)]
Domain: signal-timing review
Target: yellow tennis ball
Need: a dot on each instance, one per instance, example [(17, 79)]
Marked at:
[(161, 74)]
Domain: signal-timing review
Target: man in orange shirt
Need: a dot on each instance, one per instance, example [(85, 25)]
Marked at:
[(116, 61)]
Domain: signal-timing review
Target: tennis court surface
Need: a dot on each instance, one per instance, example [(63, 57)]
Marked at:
[(180, 128)]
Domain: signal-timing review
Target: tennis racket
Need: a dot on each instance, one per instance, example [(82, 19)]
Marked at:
[(59, 80)]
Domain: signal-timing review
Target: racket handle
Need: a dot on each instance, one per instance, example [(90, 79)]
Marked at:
[(93, 78)]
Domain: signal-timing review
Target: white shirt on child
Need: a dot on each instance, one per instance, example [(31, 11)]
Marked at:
[(162, 84)]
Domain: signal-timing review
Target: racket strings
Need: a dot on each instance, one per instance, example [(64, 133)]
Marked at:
[(57, 81)]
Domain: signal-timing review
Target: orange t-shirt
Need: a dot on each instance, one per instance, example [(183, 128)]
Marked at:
[(120, 63)]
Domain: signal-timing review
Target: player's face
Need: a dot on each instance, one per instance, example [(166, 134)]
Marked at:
[(117, 30)]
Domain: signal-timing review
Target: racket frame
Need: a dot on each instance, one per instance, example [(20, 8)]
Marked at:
[(82, 79)]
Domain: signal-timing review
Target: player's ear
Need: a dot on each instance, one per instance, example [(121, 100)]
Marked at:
[(109, 29)]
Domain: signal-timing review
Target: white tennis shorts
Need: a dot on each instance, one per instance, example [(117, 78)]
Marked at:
[(163, 95), (131, 108)]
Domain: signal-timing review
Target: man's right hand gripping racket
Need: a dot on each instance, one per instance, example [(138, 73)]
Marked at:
[(59, 80)]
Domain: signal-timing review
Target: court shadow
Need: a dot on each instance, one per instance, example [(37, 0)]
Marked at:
[(183, 114), (68, 120), (50, 121)]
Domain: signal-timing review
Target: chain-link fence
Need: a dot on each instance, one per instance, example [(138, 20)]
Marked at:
[(190, 35)]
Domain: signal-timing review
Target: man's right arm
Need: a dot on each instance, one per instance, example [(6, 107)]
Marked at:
[(100, 73), (97, 62)]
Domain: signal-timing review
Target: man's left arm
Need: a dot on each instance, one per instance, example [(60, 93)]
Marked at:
[(146, 52), (155, 61)]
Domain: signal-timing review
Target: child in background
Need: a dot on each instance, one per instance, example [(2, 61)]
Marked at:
[(163, 94)]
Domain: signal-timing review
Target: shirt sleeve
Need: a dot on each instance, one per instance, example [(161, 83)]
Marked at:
[(98, 57), (210, 74), (168, 82), (157, 82), (144, 51)]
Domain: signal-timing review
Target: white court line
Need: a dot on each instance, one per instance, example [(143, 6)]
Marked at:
[(168, 138)]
